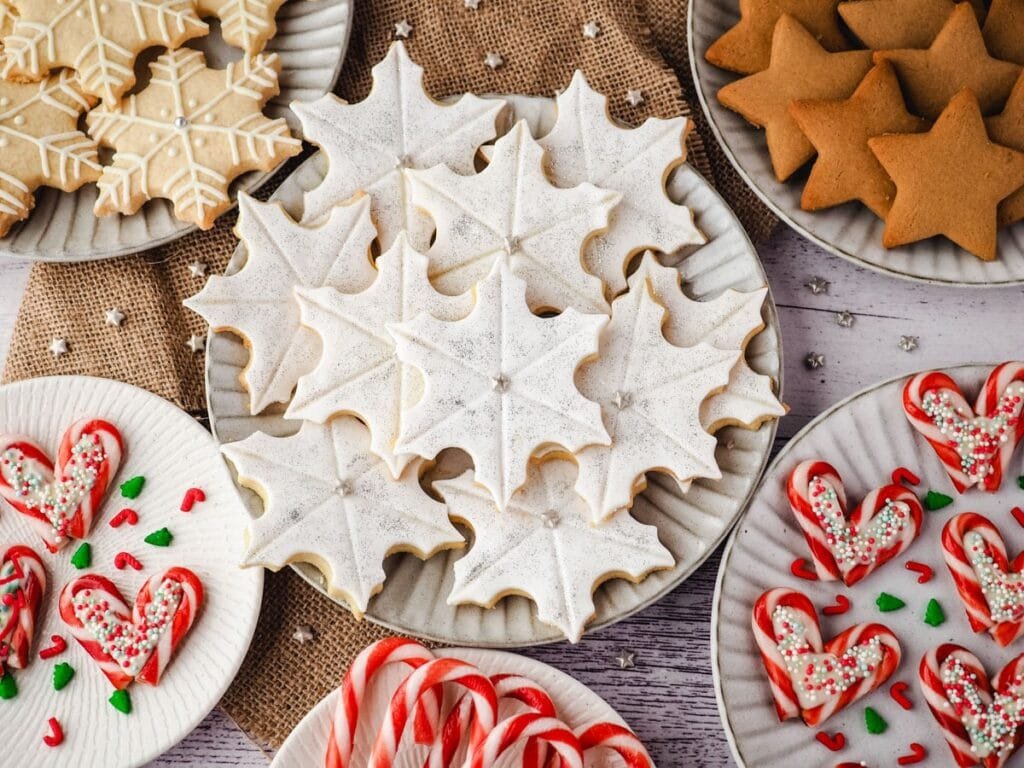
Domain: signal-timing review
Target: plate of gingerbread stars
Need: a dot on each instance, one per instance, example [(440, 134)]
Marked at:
[(888, 132)]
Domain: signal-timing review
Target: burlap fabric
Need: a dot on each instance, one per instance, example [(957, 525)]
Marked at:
[(542, 43)]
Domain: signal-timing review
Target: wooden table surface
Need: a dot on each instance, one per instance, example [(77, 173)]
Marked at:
[(668, 697)]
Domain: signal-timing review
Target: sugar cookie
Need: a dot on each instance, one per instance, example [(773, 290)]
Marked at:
[(245, 24)]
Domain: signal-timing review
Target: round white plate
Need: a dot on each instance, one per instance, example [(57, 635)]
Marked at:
[(850, 230), (174, 453), (577, 706), (691, 527), (864, 437), (312, 37)]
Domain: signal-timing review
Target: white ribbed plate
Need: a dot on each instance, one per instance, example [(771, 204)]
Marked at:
[(577, 705), (850, 230), (312, 37), (865, 437), (413, 599), (174, 453)]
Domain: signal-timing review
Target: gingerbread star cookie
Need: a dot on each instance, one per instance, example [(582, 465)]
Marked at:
[(887, 24), (800, 69), (949, 181), (1007, 128), (99, 40), (585, 145), (1004, 30), (544, 546), (846, 169), (956, 59), (245, 24), (398, 126), (746, 48), (40, 144), (329, 501), (258, 301), (190, 133), (499, 383)]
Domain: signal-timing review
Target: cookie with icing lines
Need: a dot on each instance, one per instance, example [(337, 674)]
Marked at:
[(585, 145), (545, 546), (499, 383), (40, 142), (22, 584), (245, 24), (398, 126), (258, 301), (330, 501), (358, 371), (511, 212), (650, 392), (1007, 129), (188, 134)]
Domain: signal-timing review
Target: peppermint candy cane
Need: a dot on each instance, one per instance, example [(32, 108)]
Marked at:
[(22, 583), (528, 727), (1003, 391), (92, 585), (189, 602), (798, 490), (787, 704), (617, 738)]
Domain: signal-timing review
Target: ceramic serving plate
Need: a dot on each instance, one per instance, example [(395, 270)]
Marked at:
[(850, 230), (312, 37)]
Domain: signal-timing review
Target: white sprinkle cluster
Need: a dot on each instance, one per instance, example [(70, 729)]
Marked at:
[(849, 545), (1004, 592), (990, 721)]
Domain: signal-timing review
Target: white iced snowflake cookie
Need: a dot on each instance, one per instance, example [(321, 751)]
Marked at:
[(585, 145), (258, 302), (359, 372), (650, 393), (245, 24), (499, 384), (398, 126), (545, 547), (331, 502), (511, 212), (726, 322)]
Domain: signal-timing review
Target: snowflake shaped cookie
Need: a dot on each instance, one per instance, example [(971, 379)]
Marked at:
[(258, 302), (40, 144), (510, 212), (650, 393), (586, 146), (726, 322), (99, 39), (499, 384), (245, 24), (398, 126), (329, 501), (189, 134), (545, 547), (359, 372)]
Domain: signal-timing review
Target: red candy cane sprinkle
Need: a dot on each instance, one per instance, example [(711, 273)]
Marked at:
[(56, 735), (925, 571), (192, 496), (123, 560), (903, 476), (835, 743), (841, 605), (898, 692), (56, 648), (917, 754), (802, 570), (126, 515), (1018, 515)]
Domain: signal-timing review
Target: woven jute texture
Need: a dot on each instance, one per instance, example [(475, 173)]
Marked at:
[(641, 45)]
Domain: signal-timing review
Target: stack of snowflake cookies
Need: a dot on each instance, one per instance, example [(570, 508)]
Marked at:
[(185, 135), (514, 317), (915, 109)]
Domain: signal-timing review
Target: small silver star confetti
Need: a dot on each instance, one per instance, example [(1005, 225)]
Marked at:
[(844, 319), (303, 634), (626, 659), (114, 317), (814, 360), (493, 59), (197, 269), (58, 347), (591, 30), (817, 285), (908, 343), (550, 518), (471, 4), (403, 29), (634, 97), (196, 343)]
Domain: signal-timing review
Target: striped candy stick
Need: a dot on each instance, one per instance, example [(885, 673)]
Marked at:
[(181, 623), (617, 738), (528, 727), (22, 584), (105, 589), (798, 490), (787, 704), (1004, 388)]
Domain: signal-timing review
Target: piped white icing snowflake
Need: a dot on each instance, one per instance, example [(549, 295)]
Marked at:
[(245, 24)]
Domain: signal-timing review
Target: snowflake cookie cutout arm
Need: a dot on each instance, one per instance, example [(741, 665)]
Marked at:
[(188, 134), (545, 547), (330, 502), (245, 24), (586, 145)]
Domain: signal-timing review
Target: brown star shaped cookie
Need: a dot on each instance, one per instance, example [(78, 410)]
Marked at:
[(887, 24), (1004, 30), (746, 48), (956, 59), (800, 69), (1007, 128), (949, 181), (846, 169)]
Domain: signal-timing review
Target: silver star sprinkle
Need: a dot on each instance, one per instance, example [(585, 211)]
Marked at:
[(500, 382), (344, 488), (844, 319), (493, 59), (634, 97), (114, 317), (814, 360), (303, 634), (403, 29), (58, 347), (622, 400), (591, 30), (908, 343), (471, 4), (550, 518), (626, 659), (196, 343), (197, 269), (817, 285)]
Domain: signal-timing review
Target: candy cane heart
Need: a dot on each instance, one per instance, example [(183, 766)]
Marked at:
[(618, 739), (989, 584), (980, 719), (883, 525), (132, 643), (976, 444), (812, 679), (22, 584), (525, 729), (61, 501)]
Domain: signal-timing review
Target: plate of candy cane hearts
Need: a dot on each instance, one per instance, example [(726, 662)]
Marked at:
[(123, 613), (405, 705), (867, 610)]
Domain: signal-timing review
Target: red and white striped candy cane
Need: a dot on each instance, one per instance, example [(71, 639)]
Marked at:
[(102, 588), (1004, 388), (787, 704), (22, 583), (184, 617), (798, 491), (528, 727), (617, 738)]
